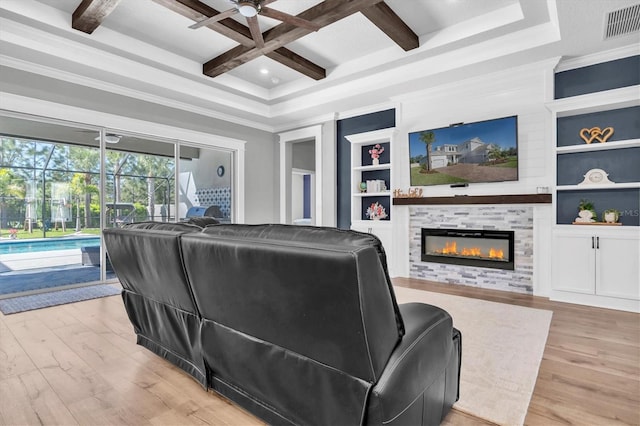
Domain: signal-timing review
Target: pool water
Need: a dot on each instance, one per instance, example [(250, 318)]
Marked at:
[(29, 246)]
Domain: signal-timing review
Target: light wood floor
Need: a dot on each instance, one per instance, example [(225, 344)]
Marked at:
[(79, 364)]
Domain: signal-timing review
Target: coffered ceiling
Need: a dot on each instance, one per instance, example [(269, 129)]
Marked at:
[(364, 52)]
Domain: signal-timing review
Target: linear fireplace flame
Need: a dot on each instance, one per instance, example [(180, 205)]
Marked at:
[(489, 249), (451, 248)]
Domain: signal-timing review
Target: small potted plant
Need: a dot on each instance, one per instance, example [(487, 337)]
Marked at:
[(611, 215), (586, 212)]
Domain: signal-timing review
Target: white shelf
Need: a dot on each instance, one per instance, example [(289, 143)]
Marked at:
[(595, 102), (625, 185), (630, 143), (386, 166), (372, 194)]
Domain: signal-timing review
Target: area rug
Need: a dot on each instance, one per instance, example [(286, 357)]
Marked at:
[(54, 298), (502, 346)]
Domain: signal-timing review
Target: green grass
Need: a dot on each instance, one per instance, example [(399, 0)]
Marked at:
[(37, 233), (512, 162), (421, 179)]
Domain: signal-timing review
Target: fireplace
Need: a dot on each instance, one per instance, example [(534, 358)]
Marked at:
[(471, 247)]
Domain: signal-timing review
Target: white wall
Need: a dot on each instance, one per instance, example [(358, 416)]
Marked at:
[(520, 91)]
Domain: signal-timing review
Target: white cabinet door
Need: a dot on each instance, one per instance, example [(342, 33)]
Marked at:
[(618, 270), (574, 263)]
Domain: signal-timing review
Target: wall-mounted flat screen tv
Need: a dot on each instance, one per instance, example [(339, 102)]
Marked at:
[(484, 151)]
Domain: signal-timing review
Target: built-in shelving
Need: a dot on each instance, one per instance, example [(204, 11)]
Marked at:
[(596, 264), (614, 186), (372, 194), (632, 143)]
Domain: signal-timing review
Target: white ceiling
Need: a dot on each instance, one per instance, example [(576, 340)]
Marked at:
[(148, 51)]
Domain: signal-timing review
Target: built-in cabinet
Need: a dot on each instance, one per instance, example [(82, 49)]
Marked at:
[(371, 184), (597, 264)]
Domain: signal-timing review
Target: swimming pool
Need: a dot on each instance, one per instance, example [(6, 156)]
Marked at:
[(29, 246)]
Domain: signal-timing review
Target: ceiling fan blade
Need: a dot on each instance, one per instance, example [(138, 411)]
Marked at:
[(289, 19), (256, 34), (215, 18)]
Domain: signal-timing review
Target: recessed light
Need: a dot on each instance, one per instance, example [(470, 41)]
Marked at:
[(264, 71)]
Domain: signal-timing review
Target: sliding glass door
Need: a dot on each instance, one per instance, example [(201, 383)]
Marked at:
[(140, 179), (53, 204), (205, 183), (49, 205)]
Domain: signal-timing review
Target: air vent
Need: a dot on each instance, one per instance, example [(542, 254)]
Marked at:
[(623, 21)]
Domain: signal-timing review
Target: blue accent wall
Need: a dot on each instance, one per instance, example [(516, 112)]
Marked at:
[(625, 122), (306, 197), (596, 78), (349, 126)]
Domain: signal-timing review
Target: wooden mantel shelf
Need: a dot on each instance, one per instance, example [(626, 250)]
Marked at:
[(476, 199)]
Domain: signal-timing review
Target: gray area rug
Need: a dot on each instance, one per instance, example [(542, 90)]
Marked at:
[(54, 298)]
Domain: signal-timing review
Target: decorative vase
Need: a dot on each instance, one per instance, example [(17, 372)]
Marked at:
[(375, 161)]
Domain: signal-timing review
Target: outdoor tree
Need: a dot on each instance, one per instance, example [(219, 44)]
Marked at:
[(85, 161), (428, 138), (11, 187)]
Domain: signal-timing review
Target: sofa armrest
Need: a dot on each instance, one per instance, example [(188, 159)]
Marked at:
[(412, 387)]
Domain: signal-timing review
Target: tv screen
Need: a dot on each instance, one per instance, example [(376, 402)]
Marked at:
[(484, 151)]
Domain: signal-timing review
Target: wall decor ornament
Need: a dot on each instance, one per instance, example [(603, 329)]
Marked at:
[(411, 193), (596, 177), (375, 152), (597, 134)]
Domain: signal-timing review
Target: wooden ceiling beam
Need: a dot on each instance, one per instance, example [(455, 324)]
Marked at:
[(383, 17), (323, 14), (298, 63), (197, 11), (90, 13)]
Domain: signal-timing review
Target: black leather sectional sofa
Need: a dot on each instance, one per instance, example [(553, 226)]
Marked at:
[(298, 325)]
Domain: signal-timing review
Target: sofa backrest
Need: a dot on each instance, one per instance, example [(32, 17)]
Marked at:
[(147, 259), (313, 234), (319, 293)]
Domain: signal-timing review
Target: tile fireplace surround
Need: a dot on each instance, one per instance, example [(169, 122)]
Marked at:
[(517, 218)]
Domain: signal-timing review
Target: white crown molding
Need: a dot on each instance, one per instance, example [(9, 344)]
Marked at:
[(597, 58)]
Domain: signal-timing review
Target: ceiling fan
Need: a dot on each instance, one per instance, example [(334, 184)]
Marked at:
[(250, 9)]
